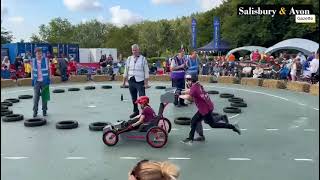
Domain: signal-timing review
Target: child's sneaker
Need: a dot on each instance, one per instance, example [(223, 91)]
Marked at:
[(187, 141), (200, 138)]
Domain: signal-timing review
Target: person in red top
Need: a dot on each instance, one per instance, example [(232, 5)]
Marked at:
[(205, 107), (72, 67), (147, 114)]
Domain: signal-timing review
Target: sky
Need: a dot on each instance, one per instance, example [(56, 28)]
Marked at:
[(23, 17)]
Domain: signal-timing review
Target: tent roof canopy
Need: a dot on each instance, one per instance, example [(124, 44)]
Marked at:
[(247, 48), (304, 45), (210, 46)]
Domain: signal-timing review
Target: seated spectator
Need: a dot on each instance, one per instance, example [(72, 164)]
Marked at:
[(284, 71), (247, 71), (258, 71), (5, 62), (153, 69), (53, 68), (27, 68), (152, 170), (72, 67), (275, 70)]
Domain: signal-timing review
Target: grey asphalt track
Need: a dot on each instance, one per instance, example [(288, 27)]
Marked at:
[(279, 141)]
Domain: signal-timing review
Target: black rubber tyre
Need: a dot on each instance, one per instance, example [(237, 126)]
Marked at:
[(235, 99), (98, 126), (213, 92), (58, 91), (89, 88), (165, 124), (3, 107), (6, 112), (12, 100), (182, 120), (231, 110), (6, 103), (106, 87), (239, 104), (126, 86), (157, 132), (67, 124), (110, 138), (226, 95), (33, 122), (160, 87), (74, 89), (25, 97), (12, 118)]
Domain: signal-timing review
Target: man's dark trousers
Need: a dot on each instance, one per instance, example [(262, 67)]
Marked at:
[(135, 88)]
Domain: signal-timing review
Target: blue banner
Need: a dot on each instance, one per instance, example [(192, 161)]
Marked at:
[(194, 33), (216, 32)]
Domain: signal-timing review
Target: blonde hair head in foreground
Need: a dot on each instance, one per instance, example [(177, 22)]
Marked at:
[(150, 170)]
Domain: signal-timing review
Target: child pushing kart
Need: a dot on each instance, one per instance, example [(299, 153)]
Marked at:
[(205, 107)]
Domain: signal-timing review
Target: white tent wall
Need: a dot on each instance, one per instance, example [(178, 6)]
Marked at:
[(98, 52), (91, 55), (85, 55)]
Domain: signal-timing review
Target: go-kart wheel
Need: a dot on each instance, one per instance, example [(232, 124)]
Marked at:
[(110, 138), (157, 137), (165, 124)]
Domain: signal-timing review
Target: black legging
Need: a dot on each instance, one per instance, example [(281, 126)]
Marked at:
[(208, 119)]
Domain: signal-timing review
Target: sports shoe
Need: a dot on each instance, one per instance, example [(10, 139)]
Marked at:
[(187, 141), (200, 138), (44, 113), (134, 114), (237, 129), (35, 114)]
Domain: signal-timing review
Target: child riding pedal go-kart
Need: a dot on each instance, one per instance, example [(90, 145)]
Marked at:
[(147, 126)]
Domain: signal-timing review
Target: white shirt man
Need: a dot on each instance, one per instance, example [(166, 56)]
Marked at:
[(137, 73)]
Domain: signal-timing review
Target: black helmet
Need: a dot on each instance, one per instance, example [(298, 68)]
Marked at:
[(192, 77)]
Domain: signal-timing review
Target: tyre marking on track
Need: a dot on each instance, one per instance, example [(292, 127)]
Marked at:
[(297, 159), (178, 158), (75, 158), (16, 158), (316, 109), (310, 130), (272, 129), (239, 159), (233, 116), (128, 157)]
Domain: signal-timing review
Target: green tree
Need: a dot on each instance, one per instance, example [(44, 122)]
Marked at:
[(6, 36), (90, 34), (57, 31)]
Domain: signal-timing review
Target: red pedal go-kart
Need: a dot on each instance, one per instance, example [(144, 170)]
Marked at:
[(154, 132)]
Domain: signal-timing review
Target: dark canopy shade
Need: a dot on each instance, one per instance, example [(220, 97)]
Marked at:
[(210, 47)]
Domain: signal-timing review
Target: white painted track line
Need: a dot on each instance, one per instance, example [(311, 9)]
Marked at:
[(297, 159), (239, 159), (316, 109), (233, 116), (310, 130), (128, 157), (179, 158), (16, 158), (75, 158), (272, 129)]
